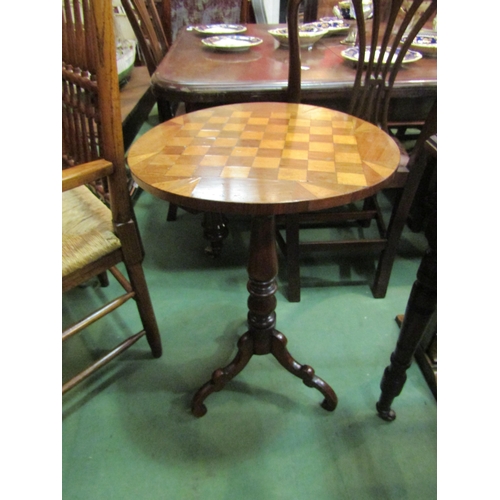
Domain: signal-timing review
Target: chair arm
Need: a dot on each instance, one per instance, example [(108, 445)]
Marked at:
[(85, 173)]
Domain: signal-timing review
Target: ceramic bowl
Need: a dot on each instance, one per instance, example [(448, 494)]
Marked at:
[(309, 34)]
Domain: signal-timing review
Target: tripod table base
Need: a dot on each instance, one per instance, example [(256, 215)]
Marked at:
[(262, 336)]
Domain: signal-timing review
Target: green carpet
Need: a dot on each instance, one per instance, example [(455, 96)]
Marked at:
[(128, 432)]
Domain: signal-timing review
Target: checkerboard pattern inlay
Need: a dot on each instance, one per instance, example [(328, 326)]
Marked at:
[(263, 153)]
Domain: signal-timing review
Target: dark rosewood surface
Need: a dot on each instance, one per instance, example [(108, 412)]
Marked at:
[(192, 73)]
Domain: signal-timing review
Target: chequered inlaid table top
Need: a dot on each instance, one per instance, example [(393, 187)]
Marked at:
[(263, 158)]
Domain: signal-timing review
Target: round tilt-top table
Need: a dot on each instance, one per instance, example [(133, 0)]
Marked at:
[(262, 160)]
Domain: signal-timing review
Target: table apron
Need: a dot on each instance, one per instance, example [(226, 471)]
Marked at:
[(408, 103), (235, 95)]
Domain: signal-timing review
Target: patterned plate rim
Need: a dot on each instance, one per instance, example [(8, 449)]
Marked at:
[(416, 43), (252, 41), (344, 27), (224, 29), (411, 55), (303, 34)]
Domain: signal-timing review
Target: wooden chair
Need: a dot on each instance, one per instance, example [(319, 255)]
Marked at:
[(136, 98), (153, 45), (152, 40), (370, 101), (97, 238), (148, 29)]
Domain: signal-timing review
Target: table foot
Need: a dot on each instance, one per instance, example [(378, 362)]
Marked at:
[(304, 372), (222, 376), (387, 414)]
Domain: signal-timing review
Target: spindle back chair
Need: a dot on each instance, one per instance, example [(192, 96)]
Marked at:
[(145, 21), (96, 238), (153, 44), (374, 81), (371, 94)]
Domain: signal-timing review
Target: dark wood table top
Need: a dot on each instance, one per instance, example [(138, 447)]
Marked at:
[(260, 159), (194, 74)]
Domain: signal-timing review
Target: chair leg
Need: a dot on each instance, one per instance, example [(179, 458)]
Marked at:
[(388, 255), (145, 307), (396, 225), (103, 279), (368, 204), (215, 230), (293, 257), (416, 218), (164, 111), (172, 212)]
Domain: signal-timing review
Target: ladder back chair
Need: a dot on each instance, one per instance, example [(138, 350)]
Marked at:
[(95, 237), (370, 100), (148, 29), (152, 39)]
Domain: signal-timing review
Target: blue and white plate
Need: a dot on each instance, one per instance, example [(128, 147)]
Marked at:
[(231, 43), (220, 29), (333, 25), (426, 44), (352, 54)]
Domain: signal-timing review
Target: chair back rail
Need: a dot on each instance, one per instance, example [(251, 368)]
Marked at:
[(96, 238), (374, 80), (148, 29), (392, 29), (80, 129), (92, 126)]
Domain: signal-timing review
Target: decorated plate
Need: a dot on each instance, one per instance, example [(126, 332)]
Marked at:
[(309, 34), (352, 54), (220, 29), (232, 43), (333, 25), (426, 44)]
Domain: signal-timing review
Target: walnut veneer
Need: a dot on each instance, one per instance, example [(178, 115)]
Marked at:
[(261, 73)]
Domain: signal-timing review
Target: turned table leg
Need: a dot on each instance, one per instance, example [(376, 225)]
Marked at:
[(419, 310), (262, 336)]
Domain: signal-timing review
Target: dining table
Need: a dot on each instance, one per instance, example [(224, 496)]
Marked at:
[(263, 160), (200, 77)]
